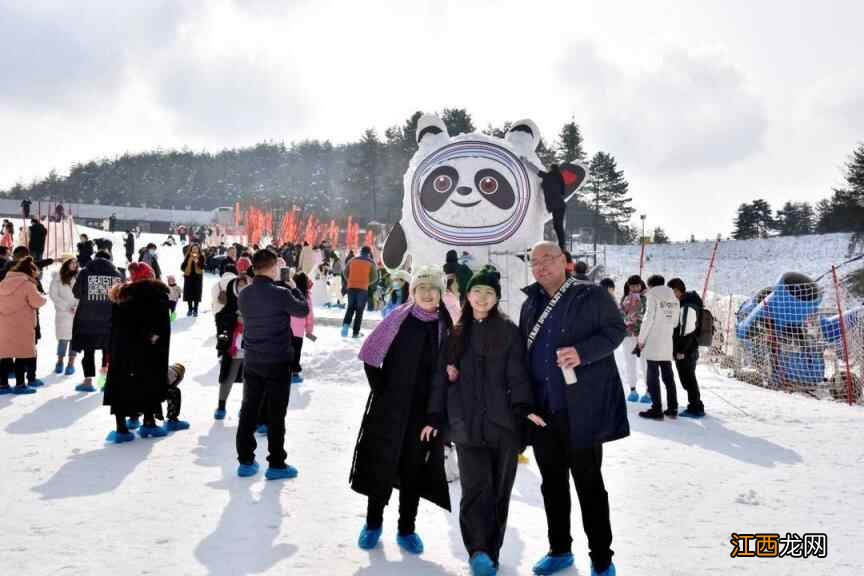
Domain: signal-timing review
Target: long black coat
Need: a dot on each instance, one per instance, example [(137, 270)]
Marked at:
[(493, 392), (85, 253), (193, 283), (91, 327), (137, 376), (592, 323), (396, 413), (38, 233)]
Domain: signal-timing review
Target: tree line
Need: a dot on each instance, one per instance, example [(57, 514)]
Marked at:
[(843, 211), (361, 178)]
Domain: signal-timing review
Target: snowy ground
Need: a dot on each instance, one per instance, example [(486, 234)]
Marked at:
[(761, 462)]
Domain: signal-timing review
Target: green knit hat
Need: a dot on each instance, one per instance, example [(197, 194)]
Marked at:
[(487, 276)]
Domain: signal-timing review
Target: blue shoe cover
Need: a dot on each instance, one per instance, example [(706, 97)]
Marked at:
[(610, 571), (219, 414), (23, 390), (84, 387), (36, 383), (5, 390), (689, 414), (151, 432), (281, 473), (410, 543), (115, 437), (646, 399), (633, 396), (551, 564), (296, 378), (247, 470), (70, 370), (176, 425), (262, 429), (482, 565), (369, 538), (345, 329), (133, 423), (58, 368)]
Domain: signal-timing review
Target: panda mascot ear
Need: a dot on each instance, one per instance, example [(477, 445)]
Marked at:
[(574, 176), (524, 136), (395, 248), (431, 129)]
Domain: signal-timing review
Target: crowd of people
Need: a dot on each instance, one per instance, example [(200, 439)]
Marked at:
[(445, 366)]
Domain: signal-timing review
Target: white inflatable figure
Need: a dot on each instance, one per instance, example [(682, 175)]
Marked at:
[(478, 194)]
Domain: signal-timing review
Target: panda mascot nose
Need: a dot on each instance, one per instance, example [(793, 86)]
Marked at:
[(464, 190)]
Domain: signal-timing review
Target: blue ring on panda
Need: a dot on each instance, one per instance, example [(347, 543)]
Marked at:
[(479, 236)]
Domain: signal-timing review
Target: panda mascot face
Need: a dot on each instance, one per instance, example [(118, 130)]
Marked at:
[(470, 192)]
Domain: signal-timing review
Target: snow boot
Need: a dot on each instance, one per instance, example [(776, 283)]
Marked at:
[(652, 414), (23, 390), (610, 571), (688, 414), (151, 432), (58, 368), (70, 370), (247, 470), (633, 396), (281, 473), (5, 389), (482, 565), (219, 414), (296, 378), (671, 413), (36, 383), (410, 543), (345, 329), (176, 425), (115, 437), (133, 423), (357, 335), (550, 564), (369, 538), (646, 399), (173, 317), (86, 386), (262, 429)]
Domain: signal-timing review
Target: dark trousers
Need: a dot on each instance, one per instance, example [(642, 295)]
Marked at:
[(410, 463), (37, 254), (269, 384), (88, 362), (174, 400), (172, 305), (297, 344), (487, 474), (556, 461), (687, 374), (7, 367), (558, 225), (357, 299), (193, 306), (23, 368), (664, 368)]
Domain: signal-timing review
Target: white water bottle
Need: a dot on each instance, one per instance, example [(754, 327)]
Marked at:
[(569, 374)]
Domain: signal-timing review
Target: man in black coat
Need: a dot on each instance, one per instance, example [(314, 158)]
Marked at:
[(267, 308), (129, 245), (38, 234), (577, 386), (91, 327), (25, 208), (685, 346), (85, 251)]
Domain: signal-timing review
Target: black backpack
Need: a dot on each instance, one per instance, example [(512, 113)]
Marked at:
[(705, 328)]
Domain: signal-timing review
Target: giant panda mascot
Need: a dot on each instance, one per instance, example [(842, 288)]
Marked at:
[(477, 194)]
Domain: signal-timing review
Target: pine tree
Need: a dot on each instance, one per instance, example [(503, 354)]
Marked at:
[(745, 223), (794, 219), (458, 121), (570, 143), (363, 175), (660, 236), (609, 191)]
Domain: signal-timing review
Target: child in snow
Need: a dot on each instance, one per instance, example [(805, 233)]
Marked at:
[(229, 335), (301, 326), (174, 400), (401, 357), (633, 309), (174, 295), (484, 399), (65, 305)]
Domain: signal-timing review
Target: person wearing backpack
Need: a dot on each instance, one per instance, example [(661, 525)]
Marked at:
[(686, 345)]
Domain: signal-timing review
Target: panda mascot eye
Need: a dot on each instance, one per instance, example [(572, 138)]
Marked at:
[(488, 185), (443, 183)]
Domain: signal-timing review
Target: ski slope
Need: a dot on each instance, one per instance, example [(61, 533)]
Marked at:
[(71, 505)]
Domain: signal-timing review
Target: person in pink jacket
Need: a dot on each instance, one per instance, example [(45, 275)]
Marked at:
[(301, 326), (19, 300)]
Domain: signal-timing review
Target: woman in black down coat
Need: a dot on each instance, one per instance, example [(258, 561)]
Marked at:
[(193, 278), (400, 357), (140, 341)]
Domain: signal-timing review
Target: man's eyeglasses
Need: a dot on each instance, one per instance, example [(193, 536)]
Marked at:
[(545, 261)]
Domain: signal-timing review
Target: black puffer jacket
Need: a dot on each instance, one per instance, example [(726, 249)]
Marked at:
[(267, 308), (91, 327)]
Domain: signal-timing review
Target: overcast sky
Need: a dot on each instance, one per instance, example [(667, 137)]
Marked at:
[(704, 104)]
